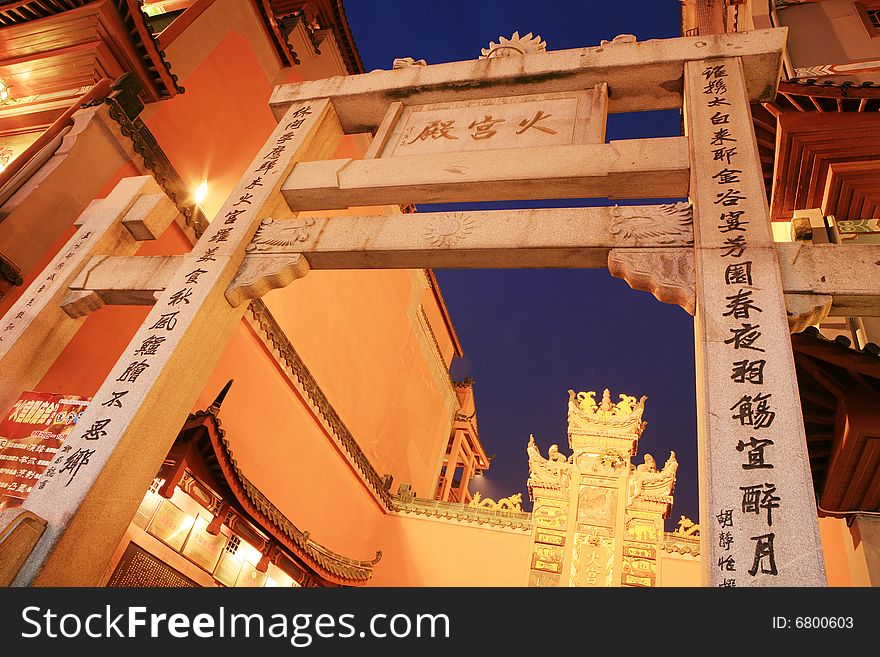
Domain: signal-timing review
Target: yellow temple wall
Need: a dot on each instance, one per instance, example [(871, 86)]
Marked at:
[(41, 255), (844, 553), (677, 570), (282, 449), (397, 402), (419, 551), (212, 131)]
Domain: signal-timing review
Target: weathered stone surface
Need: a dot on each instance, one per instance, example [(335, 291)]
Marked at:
[(850, 273), (282, 251), (668, 274), (118, 281), (757, 506), (149, 217), (261, 273), (805, 310), (644, 75), (636, 168), (19, 532), (559, 119)]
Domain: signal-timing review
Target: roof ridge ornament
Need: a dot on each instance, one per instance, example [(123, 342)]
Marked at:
[(620, 38), (515, 46)]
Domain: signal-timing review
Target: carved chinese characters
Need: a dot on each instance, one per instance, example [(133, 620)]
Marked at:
[(536, 120), (147, 389), (750, 421)]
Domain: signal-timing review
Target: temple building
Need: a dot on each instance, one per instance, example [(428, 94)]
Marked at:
[(176, 413)]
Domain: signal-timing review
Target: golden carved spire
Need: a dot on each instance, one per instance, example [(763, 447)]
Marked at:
[(587, 417), (585, 404)]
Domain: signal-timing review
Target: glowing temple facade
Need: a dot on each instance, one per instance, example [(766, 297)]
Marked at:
[(598, 517)]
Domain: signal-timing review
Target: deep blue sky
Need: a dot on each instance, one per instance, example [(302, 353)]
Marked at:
[(530, 335)]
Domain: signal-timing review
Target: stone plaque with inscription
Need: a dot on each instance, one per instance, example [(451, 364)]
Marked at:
[(553, 119)]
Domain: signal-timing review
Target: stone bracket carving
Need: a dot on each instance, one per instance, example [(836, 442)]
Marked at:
[(19, 532), (259, 274), (267, 263), (668, 274), (804, 310), (81, 303)]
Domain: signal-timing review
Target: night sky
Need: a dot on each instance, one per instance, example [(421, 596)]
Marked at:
[(530, 335)]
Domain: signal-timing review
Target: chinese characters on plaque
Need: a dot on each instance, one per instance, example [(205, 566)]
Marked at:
[(555, 119), (32, 434)]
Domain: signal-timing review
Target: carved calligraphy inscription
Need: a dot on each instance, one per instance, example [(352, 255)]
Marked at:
[(553, 119)]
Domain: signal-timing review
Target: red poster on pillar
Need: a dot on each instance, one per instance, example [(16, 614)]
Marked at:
[(32, 434)]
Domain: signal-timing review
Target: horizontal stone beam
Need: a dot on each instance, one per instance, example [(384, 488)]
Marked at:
[(563, 237), (647, 245), (118, 281), (641, 76), (849, 273), (636, 168)]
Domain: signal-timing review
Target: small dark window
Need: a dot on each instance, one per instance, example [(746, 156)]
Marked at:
[(869, 13), (233, 544)]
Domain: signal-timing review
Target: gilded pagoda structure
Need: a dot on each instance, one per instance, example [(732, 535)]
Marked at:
[(598, 516)]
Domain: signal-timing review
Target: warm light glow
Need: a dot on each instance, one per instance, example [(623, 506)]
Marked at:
[(250, 554), (201, 192)]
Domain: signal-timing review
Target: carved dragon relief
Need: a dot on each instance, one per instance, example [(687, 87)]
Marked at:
[(668, 274), (609, 462), (274, 234), (263, 268), (671, 224), (510, 503), (647, 481), (620, 38), (586, 416), (406, 62), (687, 527)]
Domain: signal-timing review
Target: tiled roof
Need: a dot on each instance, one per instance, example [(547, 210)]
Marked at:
[(333, 566)]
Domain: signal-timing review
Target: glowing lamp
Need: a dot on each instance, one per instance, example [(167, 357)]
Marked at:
[(201, 192)]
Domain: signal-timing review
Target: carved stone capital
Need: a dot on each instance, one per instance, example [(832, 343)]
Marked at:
[(271, 260), (804, 310), (259, 274), (668, 274)]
